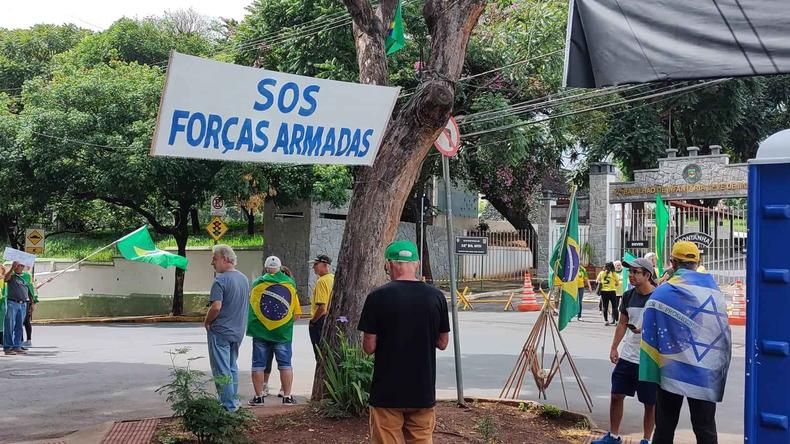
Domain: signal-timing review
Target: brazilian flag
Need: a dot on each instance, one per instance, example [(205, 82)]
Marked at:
[(565, 263), (273, 306)]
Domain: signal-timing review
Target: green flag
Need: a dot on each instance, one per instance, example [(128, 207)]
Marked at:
[(662, 222), (273, 307), (564, 264), (138, 246), (395, 39), (627, 258)]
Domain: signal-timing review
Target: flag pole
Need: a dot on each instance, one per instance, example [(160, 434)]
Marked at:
[(76, 263)]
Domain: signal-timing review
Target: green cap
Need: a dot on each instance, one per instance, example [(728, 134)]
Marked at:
[(402, 251)]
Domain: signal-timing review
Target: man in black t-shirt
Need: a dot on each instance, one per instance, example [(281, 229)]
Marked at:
[(403, 322)]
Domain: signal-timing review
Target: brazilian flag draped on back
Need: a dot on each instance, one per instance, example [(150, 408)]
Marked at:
[(273, 306), (565, 262)]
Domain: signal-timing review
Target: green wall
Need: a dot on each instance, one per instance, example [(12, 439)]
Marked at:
[(96, 305)]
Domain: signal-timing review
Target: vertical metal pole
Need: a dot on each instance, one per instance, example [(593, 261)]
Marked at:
[(459, 379), (422, 231)]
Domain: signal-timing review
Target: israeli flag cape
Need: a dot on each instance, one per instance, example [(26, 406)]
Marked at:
[(686, 343)]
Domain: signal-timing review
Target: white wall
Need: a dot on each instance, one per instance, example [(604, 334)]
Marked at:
[(500, 262), (125, 277)]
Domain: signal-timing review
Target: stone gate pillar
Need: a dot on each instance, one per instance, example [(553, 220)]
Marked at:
[(601, 175)]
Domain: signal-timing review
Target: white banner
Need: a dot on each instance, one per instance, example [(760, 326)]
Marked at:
[(13, 255), (215, 110)]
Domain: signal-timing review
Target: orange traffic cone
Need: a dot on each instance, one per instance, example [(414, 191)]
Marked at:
[(738, 312), (528, 300)]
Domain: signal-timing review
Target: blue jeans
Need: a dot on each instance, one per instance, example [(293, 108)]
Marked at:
[(262, 352), (13, 324), (222, 355)]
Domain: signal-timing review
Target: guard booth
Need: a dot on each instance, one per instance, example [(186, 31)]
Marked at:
[(767, 409)]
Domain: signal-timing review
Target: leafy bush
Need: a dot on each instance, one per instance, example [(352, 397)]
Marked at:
[(486, 427), (349, 373), (185, 383), (202, 413), (551, 411), (208, 420)]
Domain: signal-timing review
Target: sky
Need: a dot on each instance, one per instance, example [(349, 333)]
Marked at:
[(99, 15)]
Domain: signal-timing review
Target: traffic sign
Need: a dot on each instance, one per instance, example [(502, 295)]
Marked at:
[(217, 206), (449, 140), (471, 245), (216, 228), (34, 241)]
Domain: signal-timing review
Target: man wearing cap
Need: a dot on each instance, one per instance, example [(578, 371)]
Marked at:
[(322, 294), (627, 337), (403, 323), (686, 347), (273, 307)]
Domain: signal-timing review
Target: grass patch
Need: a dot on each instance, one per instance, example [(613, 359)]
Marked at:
[(78, 246)]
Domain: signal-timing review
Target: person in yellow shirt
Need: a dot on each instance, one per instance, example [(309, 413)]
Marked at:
[(582, 278), (608, 282), (322, 296)]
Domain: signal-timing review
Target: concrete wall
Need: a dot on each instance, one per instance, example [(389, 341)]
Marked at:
[(123, 277)]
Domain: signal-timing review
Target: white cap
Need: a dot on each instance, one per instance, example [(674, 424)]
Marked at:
[(272, 262)]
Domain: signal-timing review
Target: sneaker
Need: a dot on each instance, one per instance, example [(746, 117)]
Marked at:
[(644, 441), (608, 439), (9, 351), (20, 351), (265, 390), (289, 400), (27, 344), (281, 394), (256, 400)]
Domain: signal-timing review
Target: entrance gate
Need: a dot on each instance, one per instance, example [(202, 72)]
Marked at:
[(720, 232)]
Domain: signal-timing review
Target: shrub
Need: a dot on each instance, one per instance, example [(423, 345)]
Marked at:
[(486, 427), (349, 373), (203, 414), (208, 420)]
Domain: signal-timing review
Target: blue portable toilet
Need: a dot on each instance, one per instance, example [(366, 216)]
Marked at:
[(767, 408)]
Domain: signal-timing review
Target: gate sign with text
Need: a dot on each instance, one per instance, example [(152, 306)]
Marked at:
[(221, 111), (702, 240), (471, 245)]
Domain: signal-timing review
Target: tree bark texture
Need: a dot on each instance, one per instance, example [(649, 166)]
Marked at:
[(181, 234), (193, 215), (380, 191)]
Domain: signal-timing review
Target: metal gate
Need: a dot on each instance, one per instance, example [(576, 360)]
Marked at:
[(719, 231)]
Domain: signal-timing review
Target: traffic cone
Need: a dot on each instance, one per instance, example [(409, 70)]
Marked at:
[(738, 312), (528, 300)]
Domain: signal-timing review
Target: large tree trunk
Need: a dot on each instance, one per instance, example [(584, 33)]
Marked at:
[(380, 192), (181, 234), (193, 214), (250, 215)]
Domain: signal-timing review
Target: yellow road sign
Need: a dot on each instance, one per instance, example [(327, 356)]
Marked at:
[(216, 228), (35, 236), (34, 241)]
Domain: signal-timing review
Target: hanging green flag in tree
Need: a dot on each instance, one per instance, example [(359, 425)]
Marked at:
[(662, 222), (138, 246), (564, 264), (395, 39)]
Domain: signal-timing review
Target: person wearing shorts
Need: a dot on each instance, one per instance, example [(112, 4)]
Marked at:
[(625, 354), (273, 308)]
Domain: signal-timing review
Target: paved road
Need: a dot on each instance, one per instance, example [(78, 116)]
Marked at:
[(81, 375)]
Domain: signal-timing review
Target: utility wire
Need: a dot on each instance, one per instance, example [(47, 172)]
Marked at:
[(594, 108)]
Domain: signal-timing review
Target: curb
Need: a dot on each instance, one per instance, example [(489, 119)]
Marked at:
[(122, 319)]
